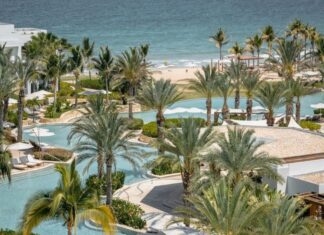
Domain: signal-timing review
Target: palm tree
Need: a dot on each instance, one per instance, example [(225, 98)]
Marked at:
[(70, 202), (205, 85), (76, 64), (289, 219), (132, 69), (25, 73), (237, 50), (184, 146), (294, 29), (100, 138), (239, 154), (304, 32), (224, 87), (144, 50), (288, 98), (236, 71), (87, 53), (313, 36), (220, 39), (285, 64), (268, 36), (225, 210), (256, 42), (96, 105), (250, 83), (270, 96), (5, 167), (158, 95), (104, 65), (250, 47), (298, 90), (319, 53)]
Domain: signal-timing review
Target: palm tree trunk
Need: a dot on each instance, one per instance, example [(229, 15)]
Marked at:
[(225, 110), (220, 52), (160, 123), (100, 166), (89, 73), (76, 91), (69, 227), (289, 111), (107, 90), (249, 104), (130, 103), (270, 119), (20, 114), (258, 51), (55, 98), (298, 110), (237, 98), (208, 107), (186, 193), (109, 180), (1, 126), (5, 108)]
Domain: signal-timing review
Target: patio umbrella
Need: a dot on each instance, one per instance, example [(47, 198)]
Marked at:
[(20, 146), (40, 95), (318, 106)]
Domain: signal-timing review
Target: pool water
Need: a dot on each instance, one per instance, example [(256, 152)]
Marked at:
[(13, 197)]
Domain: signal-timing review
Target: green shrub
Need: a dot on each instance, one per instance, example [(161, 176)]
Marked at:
[(135, 124), (11, 232), (12, 116), (66, 90), (118, 179), (62, 105), (92, 84), (319, 111), (54, 154), (115, 95), (310, 125), (128, 213), (163, 167), (150, 129), (238, 117)]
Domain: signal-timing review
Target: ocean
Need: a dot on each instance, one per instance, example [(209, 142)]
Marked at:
[(177, 30)]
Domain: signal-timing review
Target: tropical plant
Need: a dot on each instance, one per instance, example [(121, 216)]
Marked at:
[(268, 36), (87, 49), (100, 137), (96, 105), (224, 88), (237, 50), (158, 95), (104, 65), (319, 52), (70, 202), (239, 154), (270, 96), (256, 43), (236, 71), (144, 50), (288, 98), (250, 83), (76, 65), (220, 39), (205, 85), (286, 60), (183, 147), (25, 71), (5, 167), (132, 70), (298, 89), (294, 29), (313, 36)]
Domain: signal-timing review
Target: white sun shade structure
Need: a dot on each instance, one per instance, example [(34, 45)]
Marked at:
[(294, 124), (184, 110), (40, 95), (94, 92), (231, 111), (259, 110), (317, 106), (19, 146), (250, 123), (12, 101)]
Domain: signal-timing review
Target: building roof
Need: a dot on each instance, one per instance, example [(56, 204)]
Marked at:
[(316, 177), (290, 144)]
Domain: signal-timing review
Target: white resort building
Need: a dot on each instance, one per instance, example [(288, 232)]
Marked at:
[(15, 38)]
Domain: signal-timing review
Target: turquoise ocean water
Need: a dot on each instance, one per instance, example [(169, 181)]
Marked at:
[(177, 30)]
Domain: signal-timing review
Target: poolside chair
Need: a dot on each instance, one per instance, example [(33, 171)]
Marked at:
[(24, 160), (33, 160), (17, 165)]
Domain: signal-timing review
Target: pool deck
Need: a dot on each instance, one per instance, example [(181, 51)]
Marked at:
[(158, 197)]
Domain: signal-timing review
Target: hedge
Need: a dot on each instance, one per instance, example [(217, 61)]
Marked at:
[(96, 84), (128, 213), (310, 125), (319, 111), (150, 129), (66, 90), (118, 179), (11, 232), (54, 154), (163, 167)]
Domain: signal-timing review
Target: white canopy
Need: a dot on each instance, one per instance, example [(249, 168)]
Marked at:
[(318, 106), (293, 123), (19, 146), (12, 101), (93, 92), (41, 95), (184, 110), (250, 123), (231, 111), (259, 109)]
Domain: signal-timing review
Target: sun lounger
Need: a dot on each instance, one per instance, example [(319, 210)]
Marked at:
[(17, 165), (24, 160), (33, 160)]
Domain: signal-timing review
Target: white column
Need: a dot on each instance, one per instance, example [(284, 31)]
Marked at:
[(19, 54), (28, 88)]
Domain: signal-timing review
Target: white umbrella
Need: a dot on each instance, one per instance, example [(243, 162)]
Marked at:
[(318, 106), (19, 146), (184, 110), (40, 95), (12, 101), (259, 109)]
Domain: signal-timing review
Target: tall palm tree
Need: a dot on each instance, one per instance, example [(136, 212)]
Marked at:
[(158, 95), (239, 154), (100, 138), (225, 210), (298, 90), (220, 39), (96, 105), (224, 88), (87, 50), (304, 32), (144, 50), (104, 65), (270, 96), (289, 219), (236, 71), (268, 36), (313, 36), (184, 146), (256, 42), (237, 50), (25, 73), (250, 47), (205, 85), (288, 99), (285, 64), (76, 65), (132, 69), (69, 201), (5, 167), (319, 52), (294, 29), (250, 83)]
